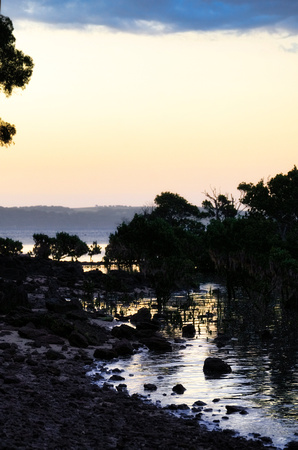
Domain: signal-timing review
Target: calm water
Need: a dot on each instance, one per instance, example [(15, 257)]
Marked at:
[(264, 377)]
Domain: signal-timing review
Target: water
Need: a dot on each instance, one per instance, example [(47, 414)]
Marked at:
[(264, 379)]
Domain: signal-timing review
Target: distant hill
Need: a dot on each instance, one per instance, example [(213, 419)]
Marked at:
[(60, 218)]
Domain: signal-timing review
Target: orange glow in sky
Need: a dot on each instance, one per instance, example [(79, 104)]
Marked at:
[(116, 118)]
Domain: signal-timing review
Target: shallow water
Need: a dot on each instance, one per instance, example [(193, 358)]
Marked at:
[(264, 380)]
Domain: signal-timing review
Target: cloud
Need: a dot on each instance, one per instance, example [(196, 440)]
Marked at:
[(156, 16), (292, 48)]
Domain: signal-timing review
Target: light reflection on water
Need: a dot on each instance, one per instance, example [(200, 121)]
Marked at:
[(260, 382)]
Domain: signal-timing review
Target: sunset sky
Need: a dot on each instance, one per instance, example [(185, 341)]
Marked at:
[(132, 98)]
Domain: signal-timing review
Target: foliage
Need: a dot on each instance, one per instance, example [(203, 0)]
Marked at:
[(7, 131), (276, 200), (10, 247), (255, 252), (66, 245), (43, 245), (94, 249), (15, 72), (177, 211), (165, 253), (240, 249), (218, 206), (59, 247)]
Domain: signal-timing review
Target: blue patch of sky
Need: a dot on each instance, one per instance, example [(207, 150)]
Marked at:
[(174, 15)]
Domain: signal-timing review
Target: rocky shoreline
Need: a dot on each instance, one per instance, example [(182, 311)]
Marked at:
[(47, 402), (47, 345)]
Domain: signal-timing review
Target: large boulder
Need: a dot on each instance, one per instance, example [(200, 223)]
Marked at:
[(123, 331), (76, 339), (143, 315), (157, 344), (123, 347), (216, 366), (151, 326)]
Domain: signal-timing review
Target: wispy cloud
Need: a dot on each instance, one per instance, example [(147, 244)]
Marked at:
[(155, 16), (292, 48)]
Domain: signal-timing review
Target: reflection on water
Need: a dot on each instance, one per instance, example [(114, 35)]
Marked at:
[(264, 376)]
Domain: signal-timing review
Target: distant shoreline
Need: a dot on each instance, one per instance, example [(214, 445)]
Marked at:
[(58, 218)]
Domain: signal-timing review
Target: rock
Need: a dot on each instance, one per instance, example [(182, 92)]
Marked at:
[(50, 339), (116, 377), (4, 345), (179, 341), (152, 326), (117, 370), (179, 389), (53, 370), (188, 331), (182, 407), (123, 347), (61, 306), (221, 340), (232, 409), (76, 339), (52, 355), (57, 324), (199, 403), (30, 332), (150, 387), (143, 315), (216, 366), (123, 331), (292, 445), (11, 379), (77, 314), (157, 344), (122, 387), (12, 295), (266, 439), (104, 353)]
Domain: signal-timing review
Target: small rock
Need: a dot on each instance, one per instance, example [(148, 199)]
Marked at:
[(116, 377), (199, 403), (150, 387), (179, 389), (53, 355), (231, 409), (188, 331), (216, 366), (104, 353), (182, 406), (121, 387)]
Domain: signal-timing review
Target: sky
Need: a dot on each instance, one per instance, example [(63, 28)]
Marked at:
[(129, 99)]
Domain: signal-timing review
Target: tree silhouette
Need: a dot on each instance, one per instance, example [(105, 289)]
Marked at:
[(15, 72)]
